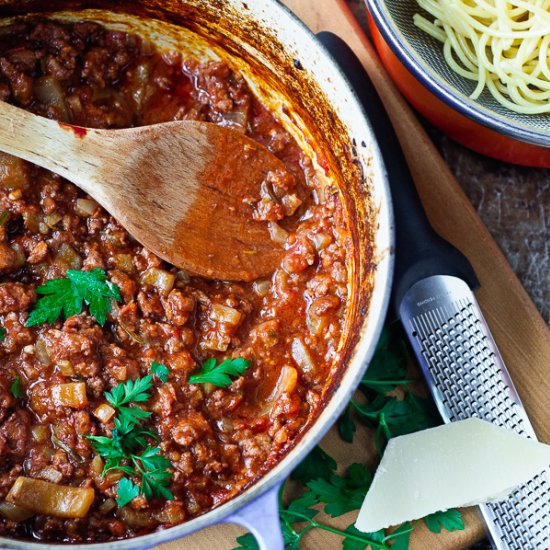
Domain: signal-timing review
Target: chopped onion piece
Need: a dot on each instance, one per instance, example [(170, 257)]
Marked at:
[(237, 120), (215, 343), (136, 519), (52, 220), (107, 506), (97, 465), (225, 314), (172, 513), (315, 323), (66, 368), (40, 433), (85, 207), (20, 258), (13, 172), (14, 512), (286, 382), (104, 412), (277, 233), (71, 395), (48, 90), (261, 288), (301, 355), (50, 474), (182, 278), (68, 255), (291, 203), (321, 240), (31, 221), (162, 280), (114, 476), (50, 499), (41, 352)]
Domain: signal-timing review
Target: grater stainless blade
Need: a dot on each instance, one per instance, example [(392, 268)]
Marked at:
[(467, 377)]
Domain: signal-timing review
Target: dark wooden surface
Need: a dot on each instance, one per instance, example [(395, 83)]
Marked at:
[(512, 201)]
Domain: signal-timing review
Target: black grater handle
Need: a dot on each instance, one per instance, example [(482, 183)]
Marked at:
[(420, 251)]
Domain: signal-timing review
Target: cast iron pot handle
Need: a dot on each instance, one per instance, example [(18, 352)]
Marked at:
[(261, 518)]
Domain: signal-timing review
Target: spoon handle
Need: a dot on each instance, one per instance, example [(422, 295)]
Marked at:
[(70, 151)]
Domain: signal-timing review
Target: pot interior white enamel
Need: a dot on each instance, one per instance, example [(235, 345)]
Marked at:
[(295, 78)]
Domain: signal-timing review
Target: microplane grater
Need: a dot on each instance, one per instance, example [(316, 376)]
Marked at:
[(467, 377), (432, 294)]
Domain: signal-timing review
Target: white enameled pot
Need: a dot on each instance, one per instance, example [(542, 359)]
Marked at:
[(289, 70)]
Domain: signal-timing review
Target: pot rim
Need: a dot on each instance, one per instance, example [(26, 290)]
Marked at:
[(370, 330)]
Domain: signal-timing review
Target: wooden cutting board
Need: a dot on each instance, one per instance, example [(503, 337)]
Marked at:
[(520, 332)]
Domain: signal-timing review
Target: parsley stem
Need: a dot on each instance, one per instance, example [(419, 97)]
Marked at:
[(344, 534), (400, 533), (285, 520)]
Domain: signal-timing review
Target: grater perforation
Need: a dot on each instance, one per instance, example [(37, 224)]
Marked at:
[(467, 377)]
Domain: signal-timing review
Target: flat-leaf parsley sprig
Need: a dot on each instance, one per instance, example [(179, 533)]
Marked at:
[(131, 391), (220, 375), (68, 296), (121, 451)]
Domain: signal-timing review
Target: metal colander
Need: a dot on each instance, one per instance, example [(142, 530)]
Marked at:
[(423, 56)]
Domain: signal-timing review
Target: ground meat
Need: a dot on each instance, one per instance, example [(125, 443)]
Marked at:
[(190, 429), (8, 259), (300, 256), (6, 398), (77, 344), (177, 307), (218, 438), (21, 85), (14, 433), (15, 297)]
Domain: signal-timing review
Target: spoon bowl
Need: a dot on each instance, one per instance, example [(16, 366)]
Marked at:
[(185, 190)]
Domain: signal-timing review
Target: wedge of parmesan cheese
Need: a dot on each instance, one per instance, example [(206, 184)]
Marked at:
[(455, 465)]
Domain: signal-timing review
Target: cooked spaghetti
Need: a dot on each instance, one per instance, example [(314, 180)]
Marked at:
[(503, 45)]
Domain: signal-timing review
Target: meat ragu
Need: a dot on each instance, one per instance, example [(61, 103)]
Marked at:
[(59, 408)]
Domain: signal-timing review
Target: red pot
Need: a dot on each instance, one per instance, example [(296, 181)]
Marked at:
[(457, 126)]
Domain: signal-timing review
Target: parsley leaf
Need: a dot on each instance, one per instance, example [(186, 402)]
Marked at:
[(2, 334), (388, 367), (302, 506), (401, 536), (128, 437), (16, 389), (361, 540), (107, 447), (126, 492), (160, 371), (316, 465), (451, 520), (67, 296), (342, 494), (246, 542), (220, 375), (392, 416), (130, 391), (346, 426)]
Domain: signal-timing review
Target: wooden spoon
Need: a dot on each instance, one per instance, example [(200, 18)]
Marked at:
[(177, 187)]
